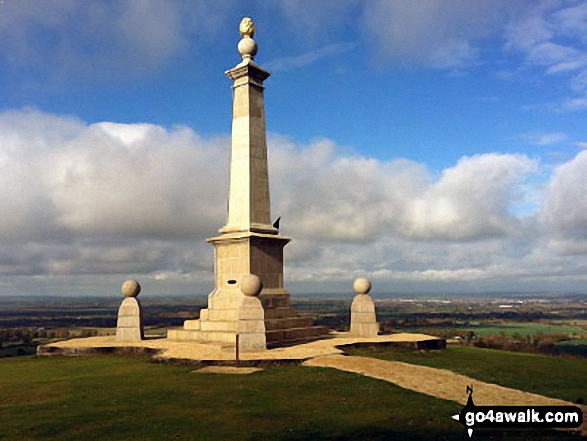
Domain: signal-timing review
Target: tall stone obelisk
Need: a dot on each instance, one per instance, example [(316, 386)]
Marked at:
[(248, 243)]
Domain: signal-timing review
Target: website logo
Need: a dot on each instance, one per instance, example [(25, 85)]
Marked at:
[(517, 417)]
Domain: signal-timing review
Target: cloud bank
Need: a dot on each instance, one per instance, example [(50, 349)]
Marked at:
[(110, 199), (118, 40)]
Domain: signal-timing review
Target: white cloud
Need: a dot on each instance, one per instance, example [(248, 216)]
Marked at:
[(472, 200), (541, 139), (129, 134), (136, 199), (551, 36), (456, 54), (357, 199), (299, 61), (105, 197), (325, 196), (528, 31), (436, 33), (107, 40), (565, 209), (152, 187), (551, 138), (310, 19), (574, 103), (572, 21)]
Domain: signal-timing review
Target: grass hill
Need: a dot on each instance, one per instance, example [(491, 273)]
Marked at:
[(131, 398)]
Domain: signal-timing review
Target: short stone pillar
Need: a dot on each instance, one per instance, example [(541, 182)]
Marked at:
[(251, 316), (130, 314), (363, 321)]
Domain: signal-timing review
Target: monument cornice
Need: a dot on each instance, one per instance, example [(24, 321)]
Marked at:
[(247, 235), (250, 69)]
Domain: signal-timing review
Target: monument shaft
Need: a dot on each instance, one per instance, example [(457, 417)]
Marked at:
[(249, 244), (249, 203)]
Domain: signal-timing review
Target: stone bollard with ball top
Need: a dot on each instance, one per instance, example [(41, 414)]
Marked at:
[(251, 316), (363, 319), (130, 315)]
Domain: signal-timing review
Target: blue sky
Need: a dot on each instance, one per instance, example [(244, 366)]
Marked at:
[(443, 144)]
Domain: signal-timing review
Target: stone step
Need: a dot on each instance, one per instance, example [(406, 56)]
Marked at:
[(304, 333), (274, 337), (270, 325), (211, 336), (287, 323), (192, 325), (219, 325), (217, 315), (293, 342)]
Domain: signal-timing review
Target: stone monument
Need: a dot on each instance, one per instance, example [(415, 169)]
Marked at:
[(130, 315), (363, 320), (248, 243)]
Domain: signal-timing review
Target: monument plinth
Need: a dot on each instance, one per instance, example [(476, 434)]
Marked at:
[(248, 243)]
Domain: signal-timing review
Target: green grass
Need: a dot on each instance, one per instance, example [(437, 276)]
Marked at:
[(550, 376), (130, 398), (97, 398)]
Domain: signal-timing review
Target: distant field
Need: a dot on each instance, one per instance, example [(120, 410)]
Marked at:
[(582, 342), (574, 347), (542, 374), (523, 329), (510, 329)]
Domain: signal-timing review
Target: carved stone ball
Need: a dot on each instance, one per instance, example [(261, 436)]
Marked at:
[(251, 285), (247, 47), (131, 288), (362, 285)]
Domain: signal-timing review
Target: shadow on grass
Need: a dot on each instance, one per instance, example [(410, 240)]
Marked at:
[(367, 433), (383, 434)]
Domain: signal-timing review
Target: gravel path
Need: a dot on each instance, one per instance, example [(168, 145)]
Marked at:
[(439, 383), (431, 381)]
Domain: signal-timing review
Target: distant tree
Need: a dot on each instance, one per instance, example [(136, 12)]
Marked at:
[(27, 339), (62, 333)]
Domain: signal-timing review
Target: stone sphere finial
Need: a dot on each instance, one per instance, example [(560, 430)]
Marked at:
[(251, 285), (362, 285), (247, 27), (247, 47), (131, 288)]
